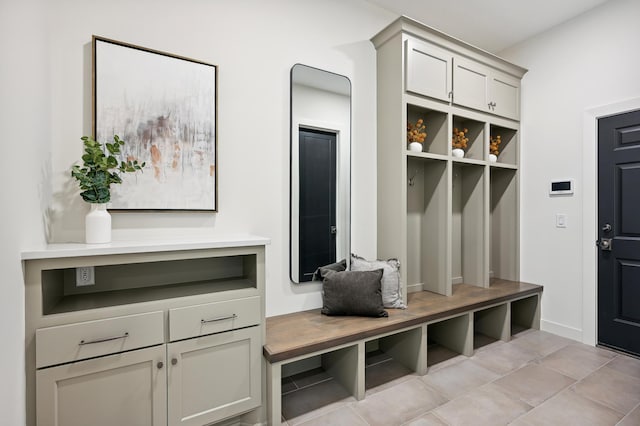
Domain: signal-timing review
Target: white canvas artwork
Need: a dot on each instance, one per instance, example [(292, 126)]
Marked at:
[(164, 108)]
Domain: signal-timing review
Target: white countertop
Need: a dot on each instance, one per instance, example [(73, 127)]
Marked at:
[(53, 251)]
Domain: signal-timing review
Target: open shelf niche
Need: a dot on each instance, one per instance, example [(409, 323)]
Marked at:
[(468, 225), (437, 140), (508, 150), (427, 239), (476, 135), (126, 283), (503, 244)]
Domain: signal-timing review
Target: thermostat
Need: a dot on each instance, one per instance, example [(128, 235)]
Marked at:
[(561, 187)]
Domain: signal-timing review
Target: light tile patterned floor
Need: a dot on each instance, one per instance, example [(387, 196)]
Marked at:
[(536, 379)]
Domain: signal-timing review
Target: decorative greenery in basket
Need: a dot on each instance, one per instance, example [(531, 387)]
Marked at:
[(459, 139), (416, 132), (494, 145), (99, 170)]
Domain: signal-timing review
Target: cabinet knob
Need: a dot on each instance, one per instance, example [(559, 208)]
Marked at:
[(160, 364), (174, 361)]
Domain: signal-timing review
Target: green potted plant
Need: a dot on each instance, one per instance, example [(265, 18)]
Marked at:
[(99, 170)]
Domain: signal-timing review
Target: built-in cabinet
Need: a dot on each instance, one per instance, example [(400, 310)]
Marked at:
[(448, 219), (169, 333)]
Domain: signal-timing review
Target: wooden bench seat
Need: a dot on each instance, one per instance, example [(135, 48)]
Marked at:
[(300, 335)]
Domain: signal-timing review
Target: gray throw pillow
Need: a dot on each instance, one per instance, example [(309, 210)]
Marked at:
[(338, 267), (352, 293), (391, 284)]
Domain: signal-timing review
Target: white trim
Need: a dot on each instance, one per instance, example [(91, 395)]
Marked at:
[(590, 212), (561, 330)]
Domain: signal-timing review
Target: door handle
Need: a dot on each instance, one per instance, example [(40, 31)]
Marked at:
[(333, 230), (606, 227), (605, 244)]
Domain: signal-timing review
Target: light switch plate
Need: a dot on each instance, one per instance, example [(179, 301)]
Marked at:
[(561, 220)]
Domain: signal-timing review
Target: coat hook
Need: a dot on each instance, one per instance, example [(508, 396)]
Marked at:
[(411, 183)]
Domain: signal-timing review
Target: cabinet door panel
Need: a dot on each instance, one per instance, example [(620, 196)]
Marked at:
[(428, 70), (470, 84), (123, 389), (505, 93), (214, 377)]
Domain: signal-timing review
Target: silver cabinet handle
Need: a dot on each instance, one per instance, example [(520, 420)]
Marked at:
[(106, 339), (203, 321)]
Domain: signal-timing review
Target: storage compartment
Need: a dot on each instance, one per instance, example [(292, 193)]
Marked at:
[(438, 139), (475, 135), (314, 382), (525, 314), (209, 318), (123, 389), (504, 247), (73, 342), (508, 148), (394, 356), (491, 325), (449, 338), (427, 239), (214, 377), (119, 284), (428, 70), (468, 226)]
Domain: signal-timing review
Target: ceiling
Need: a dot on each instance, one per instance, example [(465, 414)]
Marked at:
[(492, 25)]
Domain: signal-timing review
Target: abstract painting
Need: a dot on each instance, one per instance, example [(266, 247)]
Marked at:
[(165, 109)]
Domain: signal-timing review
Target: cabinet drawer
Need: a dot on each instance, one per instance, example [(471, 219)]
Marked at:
[(73, 342), (199, 320)]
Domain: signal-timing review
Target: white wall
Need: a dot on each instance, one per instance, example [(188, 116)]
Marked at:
[(45, 106), (585, 63)]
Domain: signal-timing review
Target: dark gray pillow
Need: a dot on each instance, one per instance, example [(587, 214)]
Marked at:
[(338, 267), (352, 293)]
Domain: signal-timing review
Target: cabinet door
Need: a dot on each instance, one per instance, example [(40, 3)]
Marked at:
[(122, 389), (471, 84), (214, 377), (504, 93), (428, 70)]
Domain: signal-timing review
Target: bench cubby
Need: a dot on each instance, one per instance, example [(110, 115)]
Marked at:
[(525, 314), (490, 325), (347, 350)]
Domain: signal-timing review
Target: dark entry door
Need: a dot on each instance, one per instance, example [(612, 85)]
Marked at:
[(317, 201), (619, 232)]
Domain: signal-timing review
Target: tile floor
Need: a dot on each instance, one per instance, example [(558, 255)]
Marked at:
[(537, 378)]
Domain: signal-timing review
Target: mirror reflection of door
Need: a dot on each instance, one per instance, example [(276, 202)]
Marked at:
[(320, 199), (317, 210)]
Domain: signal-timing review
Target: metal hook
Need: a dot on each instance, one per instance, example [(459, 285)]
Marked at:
[(413, 177)]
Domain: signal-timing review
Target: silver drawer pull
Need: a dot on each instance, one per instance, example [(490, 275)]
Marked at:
[(106, 339), (230, 317)]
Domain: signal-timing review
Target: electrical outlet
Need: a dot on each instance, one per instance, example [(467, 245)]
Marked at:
[(85, 275)]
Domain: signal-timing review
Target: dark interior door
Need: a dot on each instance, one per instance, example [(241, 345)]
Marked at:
[(619, 232), (317, 201)]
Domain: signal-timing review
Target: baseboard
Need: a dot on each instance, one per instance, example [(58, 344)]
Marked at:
[(561, 330), (412, 288)]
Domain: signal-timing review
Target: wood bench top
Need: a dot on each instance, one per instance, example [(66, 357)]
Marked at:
[(305, 332)]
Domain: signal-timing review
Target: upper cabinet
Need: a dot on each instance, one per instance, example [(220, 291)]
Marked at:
[(441, 67), (428, 70), (485, 89)]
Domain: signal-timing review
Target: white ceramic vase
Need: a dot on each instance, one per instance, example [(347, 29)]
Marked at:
[(415, 147), (97, 225), (493, 158), (457, 152)]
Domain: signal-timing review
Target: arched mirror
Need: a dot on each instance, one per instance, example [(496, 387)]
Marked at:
[(320, 170)]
